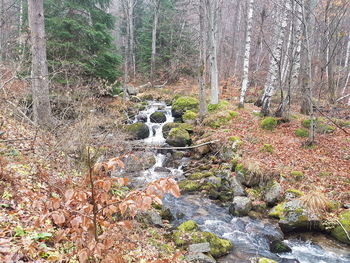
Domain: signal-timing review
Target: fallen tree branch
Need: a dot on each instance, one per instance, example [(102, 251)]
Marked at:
[(148, 84), (17, 140), (161, 86), (175, 148), (342, 97), (330, 119)]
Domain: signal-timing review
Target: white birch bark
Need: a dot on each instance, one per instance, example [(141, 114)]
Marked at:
[(275, 60), (245, 81), (39, 73), (156, 4), (201, 71)]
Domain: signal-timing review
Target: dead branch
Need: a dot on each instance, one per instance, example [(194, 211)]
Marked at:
[(175, 148)]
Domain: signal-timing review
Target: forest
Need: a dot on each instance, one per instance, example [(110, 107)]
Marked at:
[(175, 131)]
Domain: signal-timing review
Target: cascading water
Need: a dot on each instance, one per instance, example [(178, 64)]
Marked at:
[(250, 237)]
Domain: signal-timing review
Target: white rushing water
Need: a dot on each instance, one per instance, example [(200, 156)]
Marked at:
[(250, 237)]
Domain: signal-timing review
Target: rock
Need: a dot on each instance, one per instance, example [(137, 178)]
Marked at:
[(291, 194), (183, 104), (190, 117), (277, 246), (198, 176), (272, 193), (158, 117), (200, 247), (189, 233), (237, 187), (139, 161), (138, 130), (141, 118), (240, 206), (246, 176), (154, 219), (338, 232), (162, 170), (132, 91), (293, 215), (168, 126), (177, 155), (178, 137), (201, 150), (189, 185), (200, 257), (166, 214), (219, 119)]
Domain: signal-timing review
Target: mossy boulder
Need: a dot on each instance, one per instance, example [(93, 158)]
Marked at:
[(293, 215), (240, 206), (183, 104), (338, 232), (269, 123), (220, 106), (158, 117), (190, 185), (168, 126), (248, 176), (190, 117), (138, 130), (303, 133), (277, 246), (262, 260), (291, 194), (198, 176), (189, 233), (272, 192), (178, 137), (219, 119)]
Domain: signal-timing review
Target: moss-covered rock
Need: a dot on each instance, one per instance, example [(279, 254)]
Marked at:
[(189, 185), (248, 176), (269, 123), (178, 137), (272, 192), (262, 260), (158, 117), (291, 194), (297, 175), (168, 126), (188, 233), (301, 133), (219, 119), (198, 176), (183, 104), (138, 130), (220, 106), (277, 246), (190, 116), (338, 232)]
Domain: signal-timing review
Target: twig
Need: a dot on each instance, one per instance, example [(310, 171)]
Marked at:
[(175, 148), (93, 197), (342, 97), (17, 140), (346, 232), (21, 112)]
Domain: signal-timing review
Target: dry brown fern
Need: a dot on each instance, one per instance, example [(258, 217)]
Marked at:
[(316, 202)]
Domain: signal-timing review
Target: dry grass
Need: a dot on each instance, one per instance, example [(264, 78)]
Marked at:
[(316, 202)]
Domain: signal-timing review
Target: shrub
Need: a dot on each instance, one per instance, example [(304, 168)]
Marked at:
[(269, 123), (301, 133)]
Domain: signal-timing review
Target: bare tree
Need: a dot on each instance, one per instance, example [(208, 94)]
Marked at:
[(156, 6), (39, 74), (245, 81), (201, 68)]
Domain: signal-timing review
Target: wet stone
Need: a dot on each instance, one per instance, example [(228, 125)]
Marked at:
[(200, 257), (197, 248)]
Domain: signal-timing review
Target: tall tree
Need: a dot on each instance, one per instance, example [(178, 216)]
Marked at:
[(245, 81), (39, 73), (201, 67)]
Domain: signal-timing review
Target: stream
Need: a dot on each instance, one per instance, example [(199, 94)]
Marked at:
[(250, 237)]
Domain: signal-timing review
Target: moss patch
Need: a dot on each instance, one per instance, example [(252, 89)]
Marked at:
[(220, 118), (269, 123), (220, 106), (267, 148), (301, 133), (189, 116), (297, 175), (189, 185), (338, 232), (189, 225), (186, 103)]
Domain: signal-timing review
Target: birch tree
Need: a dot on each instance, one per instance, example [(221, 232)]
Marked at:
[(274, 69), (245, 81), (201, 67), (39, 73), (156, 6)]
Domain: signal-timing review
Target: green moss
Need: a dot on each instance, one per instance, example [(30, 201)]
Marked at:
[(325, 174), (186, 103), (189, 185), (268, 148), (138, 130), (338, 232), (198, 176), (262, 260), (320, 126), (189, 225), (296, 193), (297, 175), (277, 211), (189, 115), (170, 125), (218, 246), (179, 132), (235, 139), (220, 106), (301, 133), (220, 118), (269, 123)]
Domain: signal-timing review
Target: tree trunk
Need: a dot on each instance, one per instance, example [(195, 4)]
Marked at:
[(275, 61), (245, 81), (154, 38), (201, 68), (39, 74)]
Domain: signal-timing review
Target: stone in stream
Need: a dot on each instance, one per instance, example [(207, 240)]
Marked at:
[(237, 187), (132, 90), (154, 129), (200, 257), (240, 206), (272, 192), (158, 117), (178, 137), (139, 161), (142, 118), (277, 246), (138, 130)]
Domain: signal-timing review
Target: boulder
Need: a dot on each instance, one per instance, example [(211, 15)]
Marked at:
[(200, 247), (262, 260), (293, 215), (237, 187), (178, 137), (277, 246), (240, 206), (162, 170), (338, 232), (138, 130), (189, 233), (158, 117), (141, 118), (183, 104), (170, 125), (153, 218), (139, 161), (190, 117), (132, 91), (199, 258), (272, 193)]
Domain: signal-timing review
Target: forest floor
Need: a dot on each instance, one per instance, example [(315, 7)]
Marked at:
[(34, 168)]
